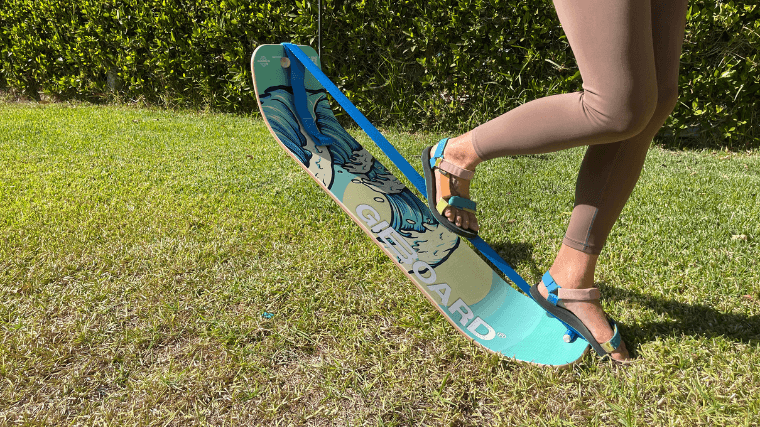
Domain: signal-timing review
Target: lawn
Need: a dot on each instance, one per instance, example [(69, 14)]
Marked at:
[(178, 268)]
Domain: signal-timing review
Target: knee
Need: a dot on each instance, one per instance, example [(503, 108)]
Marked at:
[(667, 99), (650, 116), (623, 115), (653, 110), (633, 113), (629, 114)]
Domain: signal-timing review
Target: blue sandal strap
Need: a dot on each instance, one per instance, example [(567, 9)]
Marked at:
[(552, 287), (462, 203), (438, 153), (613, 343), (456, 202)]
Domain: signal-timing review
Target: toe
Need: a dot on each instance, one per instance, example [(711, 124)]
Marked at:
[(450, 214), (474, 222), (465, 220), (621, 354)]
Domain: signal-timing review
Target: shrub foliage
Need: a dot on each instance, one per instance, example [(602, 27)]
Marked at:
[(447, 64)]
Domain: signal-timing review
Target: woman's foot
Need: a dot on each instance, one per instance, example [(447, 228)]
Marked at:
[(592, 315), (459, 152), (574, 269)]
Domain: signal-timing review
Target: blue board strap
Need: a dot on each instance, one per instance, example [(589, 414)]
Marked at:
[(359, 118), (297, 77), (295, 52), (500, 264)]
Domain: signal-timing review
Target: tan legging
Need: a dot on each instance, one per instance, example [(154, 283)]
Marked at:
[(628, 54)]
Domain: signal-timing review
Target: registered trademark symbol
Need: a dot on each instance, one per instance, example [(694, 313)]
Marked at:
[(501, 335)]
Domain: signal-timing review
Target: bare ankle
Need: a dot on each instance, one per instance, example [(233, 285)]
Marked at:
[(461, 152), (574, 269)]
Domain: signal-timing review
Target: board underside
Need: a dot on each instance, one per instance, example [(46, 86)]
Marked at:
[(466, 290)]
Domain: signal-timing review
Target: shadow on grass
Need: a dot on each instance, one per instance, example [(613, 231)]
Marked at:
[(697, 320)]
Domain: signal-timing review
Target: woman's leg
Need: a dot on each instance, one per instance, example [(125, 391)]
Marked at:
[(612, 44), (621, 50), (609, 173)]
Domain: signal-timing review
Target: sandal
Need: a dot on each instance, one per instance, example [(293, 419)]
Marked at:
[(447, 169), (555, 297)]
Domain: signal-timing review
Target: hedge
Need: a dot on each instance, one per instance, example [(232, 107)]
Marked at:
[(410, 64)]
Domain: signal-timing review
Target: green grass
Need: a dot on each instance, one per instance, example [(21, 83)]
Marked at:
[(140, 248)]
